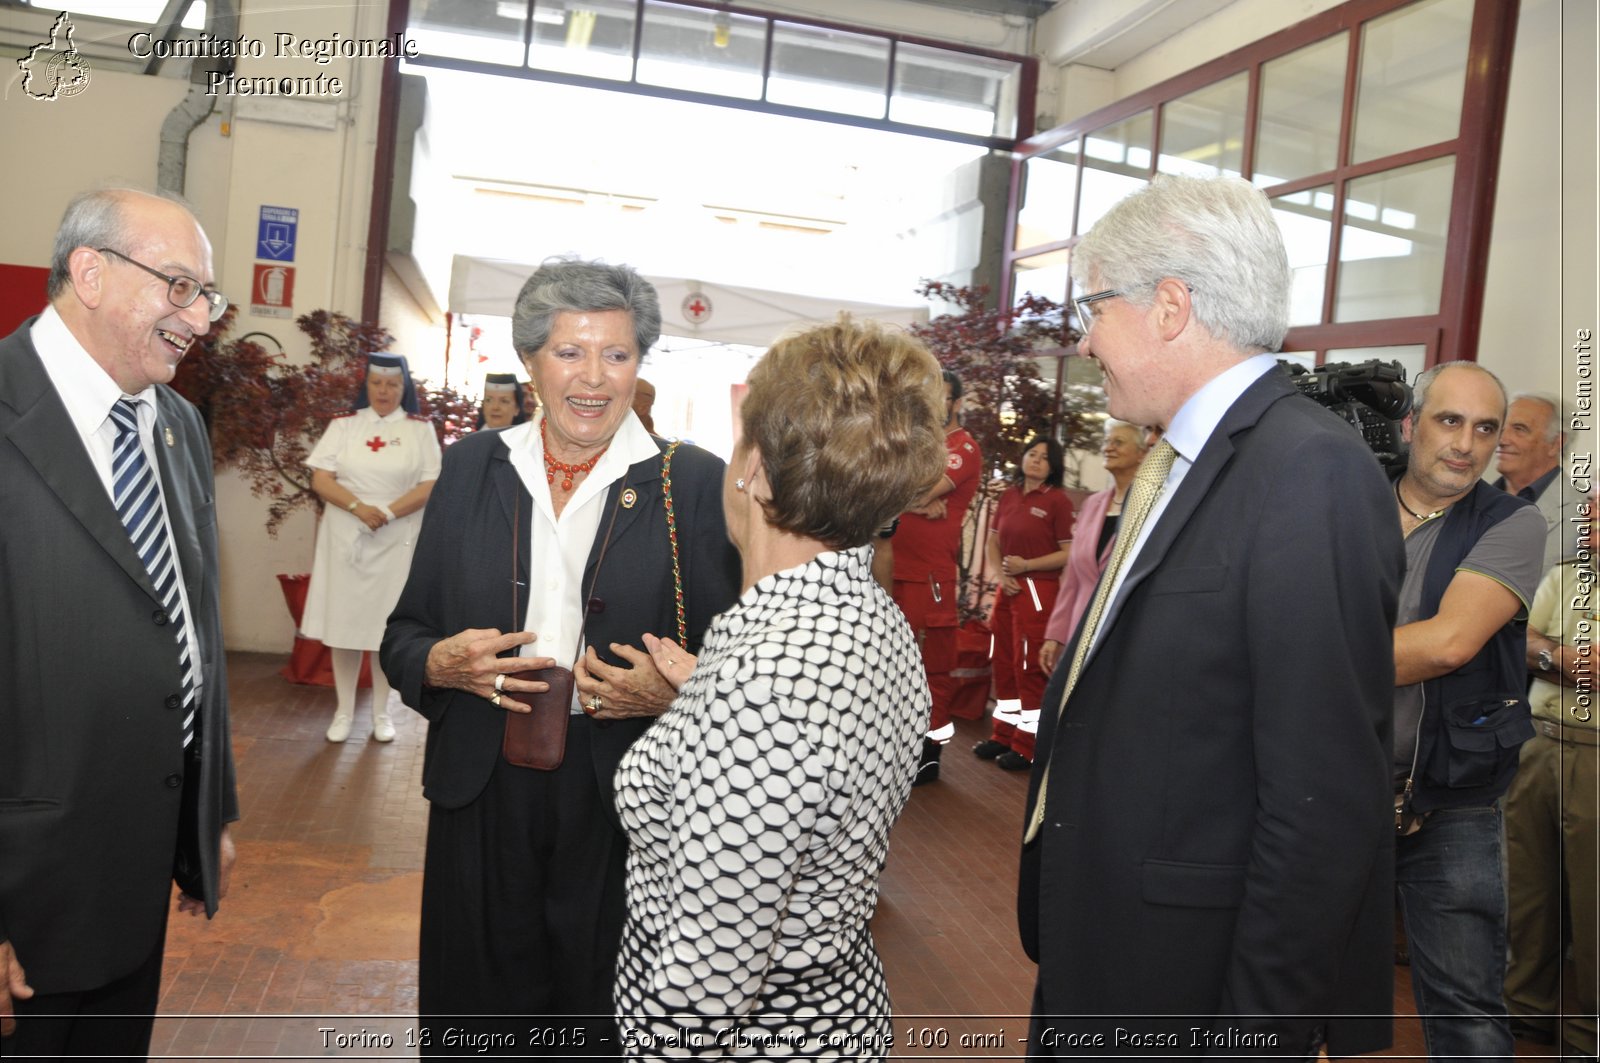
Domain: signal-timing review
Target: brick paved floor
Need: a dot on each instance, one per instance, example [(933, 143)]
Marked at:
[(314, 951)]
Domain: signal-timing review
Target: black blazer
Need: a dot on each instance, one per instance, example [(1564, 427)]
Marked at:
[(1219, 839), (461, 578), (90, 733)]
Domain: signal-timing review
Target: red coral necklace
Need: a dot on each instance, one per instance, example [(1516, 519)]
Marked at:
[(552, 466)]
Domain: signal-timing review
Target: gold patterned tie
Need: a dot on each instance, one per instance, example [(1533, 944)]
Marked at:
[(1142, 495)]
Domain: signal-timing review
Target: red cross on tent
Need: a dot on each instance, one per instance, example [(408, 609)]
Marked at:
[(696, 308)]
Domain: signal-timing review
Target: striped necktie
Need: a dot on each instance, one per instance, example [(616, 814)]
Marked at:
[(138, 503), (1142, 495)]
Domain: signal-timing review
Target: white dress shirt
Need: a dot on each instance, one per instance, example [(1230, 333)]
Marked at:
[(558, 547), (88, 392)]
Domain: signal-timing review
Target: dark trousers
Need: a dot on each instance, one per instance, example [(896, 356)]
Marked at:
[(522, 912), (112, 1021)]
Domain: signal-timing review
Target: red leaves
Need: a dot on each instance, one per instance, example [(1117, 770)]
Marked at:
[(997, 352), (266, 413)]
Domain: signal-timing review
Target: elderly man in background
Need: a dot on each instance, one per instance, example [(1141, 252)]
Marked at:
[(116, 773), (1207, 859), (1550, 811), (1529, 461)]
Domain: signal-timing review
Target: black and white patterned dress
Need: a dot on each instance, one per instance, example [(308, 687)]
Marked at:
[(758, 812)]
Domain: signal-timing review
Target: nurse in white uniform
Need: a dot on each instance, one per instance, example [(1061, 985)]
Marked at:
[(374, 468)]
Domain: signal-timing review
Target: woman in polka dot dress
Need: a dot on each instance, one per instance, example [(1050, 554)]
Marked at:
[(758, 808)]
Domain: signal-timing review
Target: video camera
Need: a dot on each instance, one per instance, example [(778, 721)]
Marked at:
[(1372, 396)]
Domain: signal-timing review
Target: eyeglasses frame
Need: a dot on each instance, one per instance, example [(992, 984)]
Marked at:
[(217, 302)]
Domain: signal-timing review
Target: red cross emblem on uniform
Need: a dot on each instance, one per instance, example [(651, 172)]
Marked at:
[(376, 443)]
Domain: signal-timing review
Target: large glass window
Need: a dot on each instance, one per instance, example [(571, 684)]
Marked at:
[(1306, 221), (1049, 189), (1202, 134), (944, 89), (766, 62), (1413, 64), (1391, 246), (1301, 97), (702, 50), (486, 33), (1044, 275), (1380, 191), (847, 73), (1116, 161), (590, 37)]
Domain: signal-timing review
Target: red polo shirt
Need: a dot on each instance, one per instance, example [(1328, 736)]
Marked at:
[(926, 548), (1033, 524)]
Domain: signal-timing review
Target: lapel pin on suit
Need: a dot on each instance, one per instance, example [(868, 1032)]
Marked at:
[(629, 497), (170, 441)]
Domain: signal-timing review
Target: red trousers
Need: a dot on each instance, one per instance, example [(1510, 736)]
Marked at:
[(933, 620), (1018, 622)]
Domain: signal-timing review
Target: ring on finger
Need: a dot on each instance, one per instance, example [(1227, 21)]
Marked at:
[(500, 681), (494, 699)]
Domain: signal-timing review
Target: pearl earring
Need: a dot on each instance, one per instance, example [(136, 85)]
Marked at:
[(738, 484)]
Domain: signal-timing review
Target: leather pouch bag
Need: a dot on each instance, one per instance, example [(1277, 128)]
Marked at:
[(538, 739)]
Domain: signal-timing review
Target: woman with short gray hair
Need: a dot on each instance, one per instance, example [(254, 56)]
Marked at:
[(564, 539)]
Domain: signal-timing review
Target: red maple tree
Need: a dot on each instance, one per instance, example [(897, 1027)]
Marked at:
[(266, 413), (996, 351)]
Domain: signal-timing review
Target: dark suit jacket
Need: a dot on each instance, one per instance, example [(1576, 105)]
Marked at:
[(461, 578), (1218, 839), (91, 763)]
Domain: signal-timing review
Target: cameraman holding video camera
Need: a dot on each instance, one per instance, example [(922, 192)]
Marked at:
[(1473, 556)]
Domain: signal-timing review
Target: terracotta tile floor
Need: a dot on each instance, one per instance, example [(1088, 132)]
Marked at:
[(314, 952)]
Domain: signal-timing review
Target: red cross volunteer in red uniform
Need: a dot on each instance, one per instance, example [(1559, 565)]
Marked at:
[(927, 548)]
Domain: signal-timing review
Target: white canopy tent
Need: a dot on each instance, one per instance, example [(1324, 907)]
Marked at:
[(727, 313)]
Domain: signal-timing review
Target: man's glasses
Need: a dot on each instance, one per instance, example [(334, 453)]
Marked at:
[(1087, 309), (181, 291)]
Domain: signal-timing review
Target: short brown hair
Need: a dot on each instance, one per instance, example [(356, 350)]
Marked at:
[(849, 419)]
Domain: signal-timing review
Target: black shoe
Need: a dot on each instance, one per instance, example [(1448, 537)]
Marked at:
[(1013, 761), (1523, 1030), (928, 769), (988, 749)]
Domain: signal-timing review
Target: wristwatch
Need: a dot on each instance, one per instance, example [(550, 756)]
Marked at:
[(1547, 662)]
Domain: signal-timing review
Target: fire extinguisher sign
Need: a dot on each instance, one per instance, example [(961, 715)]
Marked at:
[(272, 291)]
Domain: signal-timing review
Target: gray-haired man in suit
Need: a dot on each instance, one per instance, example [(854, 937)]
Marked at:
[(115, 765), (1207, 867)]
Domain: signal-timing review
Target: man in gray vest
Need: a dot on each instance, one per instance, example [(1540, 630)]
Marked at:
[(1472, 563)]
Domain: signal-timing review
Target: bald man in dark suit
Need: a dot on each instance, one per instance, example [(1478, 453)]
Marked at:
[(115, 765)]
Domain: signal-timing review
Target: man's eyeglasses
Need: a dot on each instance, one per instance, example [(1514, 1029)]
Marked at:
[(181, 291), (1087, 309)]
